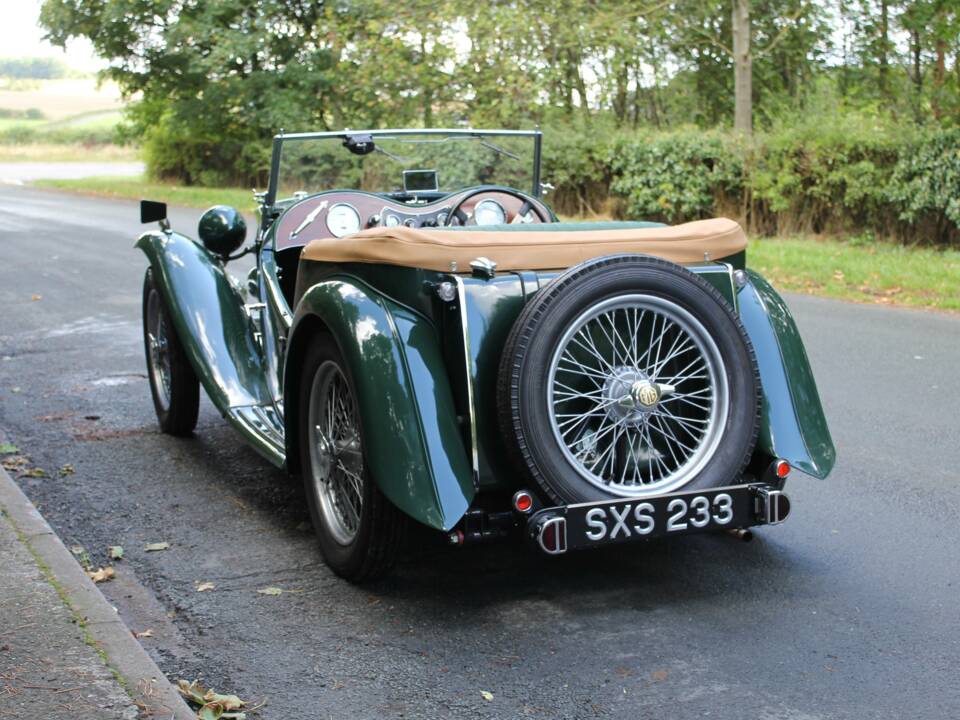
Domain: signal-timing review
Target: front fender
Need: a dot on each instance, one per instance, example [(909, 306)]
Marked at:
[(412, 445), (210, 319), (792, 422)]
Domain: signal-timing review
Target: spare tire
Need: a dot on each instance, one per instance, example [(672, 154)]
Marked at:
[(628, 376)]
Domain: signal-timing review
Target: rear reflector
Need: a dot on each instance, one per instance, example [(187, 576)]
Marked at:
[(782, 469), (523, 501)]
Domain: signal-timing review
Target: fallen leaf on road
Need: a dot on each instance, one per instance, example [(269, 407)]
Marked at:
[(213, 706), (66, 470), (34, 473), (15, 462), (205, 586), (144, 634), (659, 675), (158, 546), (8, 449), (487, 695), (115, 552), (34, 298), (272, 590), (101, 575)]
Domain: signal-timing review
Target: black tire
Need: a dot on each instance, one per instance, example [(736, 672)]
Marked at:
[(379, 536), (178, 405), (537, 333)]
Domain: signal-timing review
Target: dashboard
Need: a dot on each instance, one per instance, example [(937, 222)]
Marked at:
[(343, 212)]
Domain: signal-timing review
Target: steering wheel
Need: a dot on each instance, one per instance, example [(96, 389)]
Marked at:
[(528, 204)]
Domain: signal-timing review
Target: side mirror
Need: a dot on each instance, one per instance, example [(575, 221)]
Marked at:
[(152, 211), (222, 230)]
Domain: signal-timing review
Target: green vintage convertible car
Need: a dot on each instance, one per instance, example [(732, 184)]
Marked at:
[(422, 341)]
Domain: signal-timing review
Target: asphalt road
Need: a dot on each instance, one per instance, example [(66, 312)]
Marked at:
[(848, 610)]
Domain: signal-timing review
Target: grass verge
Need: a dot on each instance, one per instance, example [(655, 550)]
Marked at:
[(858, 271), (137, 187), (868, 272)]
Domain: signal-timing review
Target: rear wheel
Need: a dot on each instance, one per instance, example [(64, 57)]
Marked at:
[(173, 383), (629, 376), (359, 531)]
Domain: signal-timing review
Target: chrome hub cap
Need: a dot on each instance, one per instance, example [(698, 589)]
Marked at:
[(336, 459), (637, 395)]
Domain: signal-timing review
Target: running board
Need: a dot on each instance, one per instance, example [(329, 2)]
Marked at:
[(262, 425)]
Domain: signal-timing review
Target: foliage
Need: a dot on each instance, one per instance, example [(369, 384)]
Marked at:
[(925, 183), (33, 68), (677, 176), (28, 114), (825, 173)]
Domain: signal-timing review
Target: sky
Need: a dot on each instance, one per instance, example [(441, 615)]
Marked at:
[(20, 36)]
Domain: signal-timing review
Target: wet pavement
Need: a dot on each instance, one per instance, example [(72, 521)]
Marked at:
[(848, 610)]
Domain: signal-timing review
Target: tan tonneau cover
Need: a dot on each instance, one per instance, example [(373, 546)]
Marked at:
[(435, 249)]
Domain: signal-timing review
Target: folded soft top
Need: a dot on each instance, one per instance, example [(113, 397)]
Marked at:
[(549, 247)]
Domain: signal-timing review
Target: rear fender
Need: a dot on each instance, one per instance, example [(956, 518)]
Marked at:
[(412, 444), (792, 422), (211, 321)]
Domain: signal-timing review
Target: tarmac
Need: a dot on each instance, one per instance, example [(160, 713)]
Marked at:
[(64, 652)]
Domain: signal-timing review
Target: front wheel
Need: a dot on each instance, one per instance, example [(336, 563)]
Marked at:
[(173, 383), (359, 531)]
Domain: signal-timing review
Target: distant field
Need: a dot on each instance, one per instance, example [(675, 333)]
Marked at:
[(59, 121), (60, 99), (66, 152)]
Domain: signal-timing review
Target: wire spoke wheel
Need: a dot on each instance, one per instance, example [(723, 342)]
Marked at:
[(637, 395), (336, 457), (158, 349)]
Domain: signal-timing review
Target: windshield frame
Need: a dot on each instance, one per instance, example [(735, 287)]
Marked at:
[(270, 199)]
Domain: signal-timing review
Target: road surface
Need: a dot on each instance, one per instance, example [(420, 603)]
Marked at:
[(851, 609)]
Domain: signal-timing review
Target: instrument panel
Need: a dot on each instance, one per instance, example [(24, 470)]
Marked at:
[(344, 212)]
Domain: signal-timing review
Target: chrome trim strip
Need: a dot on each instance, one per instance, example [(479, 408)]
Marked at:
[(408, 131), (733, 287), (468, 366)]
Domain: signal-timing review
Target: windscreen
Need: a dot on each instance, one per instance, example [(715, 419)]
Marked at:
[(310, 164)]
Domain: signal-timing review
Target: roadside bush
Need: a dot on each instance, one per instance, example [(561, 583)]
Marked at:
[(924, 186), (826, 174), (831, 174), (576, 161), (677, 176)]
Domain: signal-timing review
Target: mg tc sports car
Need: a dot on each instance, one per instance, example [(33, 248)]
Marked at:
[(423, 342)]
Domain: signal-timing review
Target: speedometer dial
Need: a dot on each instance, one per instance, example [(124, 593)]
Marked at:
[(343, 219), (489, 212)]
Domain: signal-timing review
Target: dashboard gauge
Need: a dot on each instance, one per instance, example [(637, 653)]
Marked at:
[(489, 212), (343, 219), (391, 220)]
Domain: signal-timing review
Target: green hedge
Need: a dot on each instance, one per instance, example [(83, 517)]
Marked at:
[(845, 174)]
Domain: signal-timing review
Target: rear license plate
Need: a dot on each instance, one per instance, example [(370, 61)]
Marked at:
[(617, 521)]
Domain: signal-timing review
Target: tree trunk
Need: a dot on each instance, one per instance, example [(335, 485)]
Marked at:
[(915, 49), (742, 69), (939, 75), (884, 75)]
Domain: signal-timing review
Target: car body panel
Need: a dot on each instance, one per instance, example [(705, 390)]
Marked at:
[(211, 320), (411, 439), (792, 423), (215, 328)]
